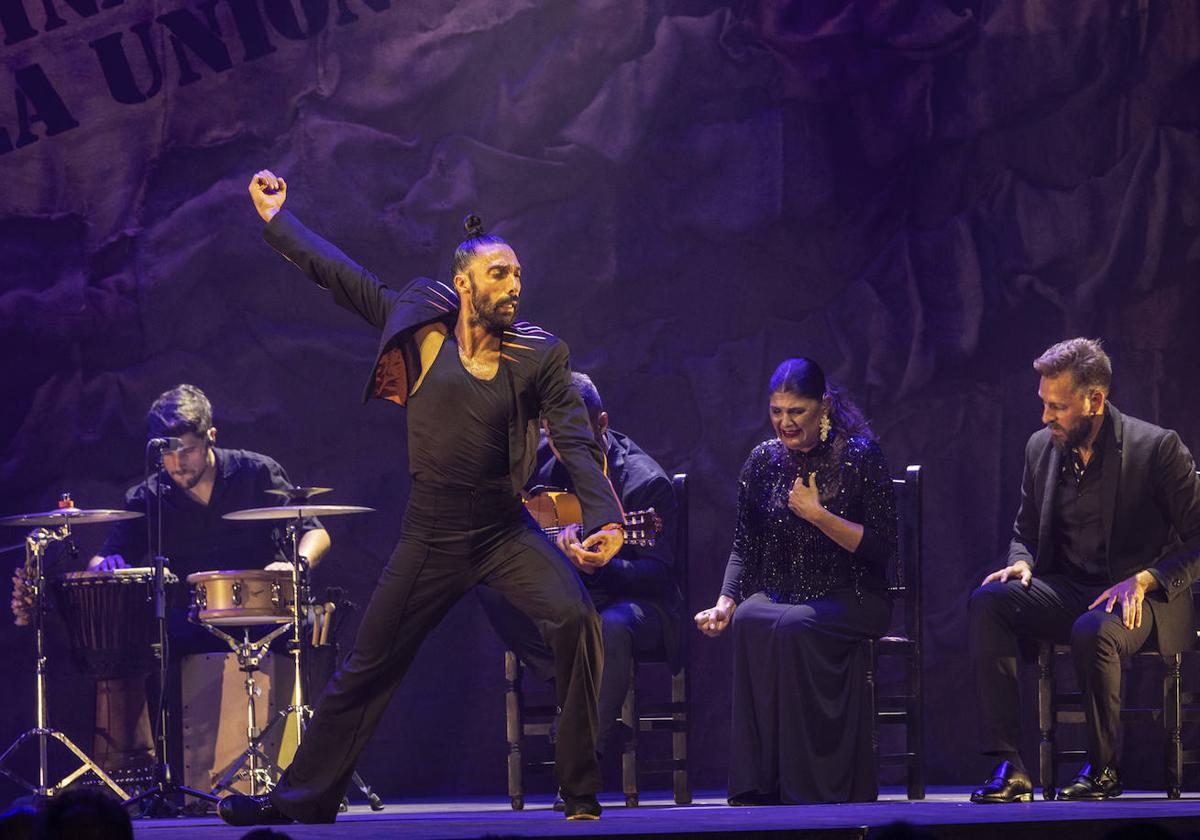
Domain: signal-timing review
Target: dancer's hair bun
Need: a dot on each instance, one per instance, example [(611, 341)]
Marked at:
[(473, 225)]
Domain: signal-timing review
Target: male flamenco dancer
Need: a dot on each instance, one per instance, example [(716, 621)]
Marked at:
[(475, 382)]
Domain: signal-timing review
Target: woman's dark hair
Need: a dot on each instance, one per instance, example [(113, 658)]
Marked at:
[(183, 409), (476, 239), (802, 377)]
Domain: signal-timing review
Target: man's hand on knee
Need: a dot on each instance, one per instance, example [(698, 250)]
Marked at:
[(1130, 594), (1017, 571)]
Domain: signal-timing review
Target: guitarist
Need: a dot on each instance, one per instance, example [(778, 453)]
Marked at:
[(636, 593)]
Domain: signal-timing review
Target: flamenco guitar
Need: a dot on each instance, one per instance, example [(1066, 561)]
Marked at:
[(554, 510)]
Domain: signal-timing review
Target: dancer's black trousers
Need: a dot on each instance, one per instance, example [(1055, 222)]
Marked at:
[(451, 541), (1052, 608)]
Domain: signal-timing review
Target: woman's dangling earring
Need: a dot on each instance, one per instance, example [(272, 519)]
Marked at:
[(824, 427)]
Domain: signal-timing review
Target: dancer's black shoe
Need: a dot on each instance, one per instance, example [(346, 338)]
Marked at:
[(239, 809)]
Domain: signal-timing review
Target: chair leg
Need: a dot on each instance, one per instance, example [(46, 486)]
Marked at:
[(915, 730), (513, 708), (868, 647), (679, 738), (872, 702), (1047, 756), (629, 717), (1172, 716)]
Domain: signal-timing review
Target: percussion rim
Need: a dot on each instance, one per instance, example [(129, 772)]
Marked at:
[(238, 574), (133, 574), (230, 617)]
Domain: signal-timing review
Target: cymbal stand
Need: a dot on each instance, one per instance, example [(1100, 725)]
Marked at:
[(299, 706), (35, 550)]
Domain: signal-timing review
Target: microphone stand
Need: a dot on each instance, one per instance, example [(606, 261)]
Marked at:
[(159, 797)]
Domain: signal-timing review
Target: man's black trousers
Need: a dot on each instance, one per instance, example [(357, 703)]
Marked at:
[(452, 540), (1052, 608)]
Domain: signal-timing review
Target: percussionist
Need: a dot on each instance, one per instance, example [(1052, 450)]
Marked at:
[(206, 483)]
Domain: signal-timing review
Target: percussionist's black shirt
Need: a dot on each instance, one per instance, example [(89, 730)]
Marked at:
[(195, 537), (449, 401), (1078, 526)]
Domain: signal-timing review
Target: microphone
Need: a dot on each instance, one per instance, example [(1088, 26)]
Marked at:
[(166, 444)]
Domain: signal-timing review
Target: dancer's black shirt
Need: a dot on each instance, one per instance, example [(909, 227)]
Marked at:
[(451, 398)]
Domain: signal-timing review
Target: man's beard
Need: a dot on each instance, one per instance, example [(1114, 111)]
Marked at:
[(489, 315), (1074, 436), (187, 482)]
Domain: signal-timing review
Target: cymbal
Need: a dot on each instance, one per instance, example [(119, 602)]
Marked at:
[(299, 495), (75, 516), (295, 511)]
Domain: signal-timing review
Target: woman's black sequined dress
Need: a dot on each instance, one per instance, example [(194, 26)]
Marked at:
[(801, 728), (777, 552)]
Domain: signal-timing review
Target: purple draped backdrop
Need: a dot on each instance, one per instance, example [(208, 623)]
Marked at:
[(921, 195)]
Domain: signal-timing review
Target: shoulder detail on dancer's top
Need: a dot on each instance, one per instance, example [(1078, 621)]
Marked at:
[(525, 340), (422, 291)]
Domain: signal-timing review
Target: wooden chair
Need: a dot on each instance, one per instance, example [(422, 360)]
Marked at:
[(1055, 708), (527, 719), (904, 582), (670, 716)]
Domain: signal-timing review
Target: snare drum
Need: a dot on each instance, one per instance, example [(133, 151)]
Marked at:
[(242, 598), (110, 619)]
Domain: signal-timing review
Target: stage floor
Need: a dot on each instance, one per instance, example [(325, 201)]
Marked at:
[(944, 814)]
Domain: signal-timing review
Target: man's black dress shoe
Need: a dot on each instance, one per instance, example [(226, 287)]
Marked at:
[(1092, 784), (239, 809), (1006, 785), (581, 807)]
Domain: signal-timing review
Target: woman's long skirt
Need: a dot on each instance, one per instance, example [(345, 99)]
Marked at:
[(801, 726)]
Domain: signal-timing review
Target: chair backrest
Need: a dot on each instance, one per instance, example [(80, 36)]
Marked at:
[(679, 483), (904, 577)]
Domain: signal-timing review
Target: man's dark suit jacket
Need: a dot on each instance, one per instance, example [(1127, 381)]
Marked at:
[(538, 362), (1151, 512), (647, 574)]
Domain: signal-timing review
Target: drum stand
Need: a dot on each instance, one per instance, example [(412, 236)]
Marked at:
[(249, 655), (35, 549), (261, 769)]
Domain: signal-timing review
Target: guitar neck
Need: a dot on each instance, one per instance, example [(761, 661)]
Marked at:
[(554, 510), (630, 532)]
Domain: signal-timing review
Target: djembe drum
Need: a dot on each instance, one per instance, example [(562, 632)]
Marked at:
[(111, 631)]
